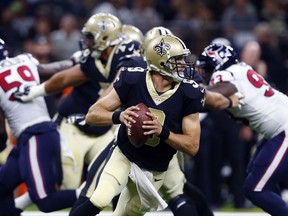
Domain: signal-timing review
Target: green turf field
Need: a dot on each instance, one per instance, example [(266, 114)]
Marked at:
[(225, 210)]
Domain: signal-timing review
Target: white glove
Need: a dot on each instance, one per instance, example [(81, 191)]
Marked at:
[(28, 93), (240, 97), (77, 119), (76, 56)]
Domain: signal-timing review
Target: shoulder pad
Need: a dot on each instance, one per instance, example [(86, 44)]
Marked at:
[(192, 89), (132, 61), (221, 76), (31, 58), (128, 47), (132, 74), (85, 54)]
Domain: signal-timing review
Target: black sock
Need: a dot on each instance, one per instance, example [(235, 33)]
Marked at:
[(87, 208), (182, 206)]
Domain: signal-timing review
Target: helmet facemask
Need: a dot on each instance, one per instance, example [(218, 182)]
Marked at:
[(205, 66), (181, 67)]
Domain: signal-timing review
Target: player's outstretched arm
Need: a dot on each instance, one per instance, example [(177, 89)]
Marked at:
[(223, 96), (47, 70), (58, 82), (215, 100)]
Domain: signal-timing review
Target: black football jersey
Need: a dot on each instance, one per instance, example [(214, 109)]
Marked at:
[(100, 76), (135, 86), (132, 61)]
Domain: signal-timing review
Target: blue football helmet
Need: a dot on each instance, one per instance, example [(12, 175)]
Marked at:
[(3, 50), (216, 57)]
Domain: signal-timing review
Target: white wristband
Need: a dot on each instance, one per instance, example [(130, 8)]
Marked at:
[(34, 91), (28, 93), (38, 90)]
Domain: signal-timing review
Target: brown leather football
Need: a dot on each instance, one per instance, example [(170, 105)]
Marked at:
[(136, 132)]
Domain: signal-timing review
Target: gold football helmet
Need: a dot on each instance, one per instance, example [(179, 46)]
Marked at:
[(104, 29), (169, 56), (132, 32), (152, 33)]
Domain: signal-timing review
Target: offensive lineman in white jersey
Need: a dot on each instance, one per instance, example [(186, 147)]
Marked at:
[(265, 111), (36, 158)]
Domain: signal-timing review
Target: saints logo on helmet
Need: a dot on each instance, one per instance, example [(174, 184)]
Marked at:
[(169, 56), (161, 48), (103, 29), (152, 33)]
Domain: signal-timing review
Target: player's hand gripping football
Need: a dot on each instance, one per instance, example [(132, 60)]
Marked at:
[(128, 116), (153, 126), (139, 124)]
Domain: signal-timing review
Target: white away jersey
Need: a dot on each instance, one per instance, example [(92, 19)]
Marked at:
[(265, 108), (15, 73)]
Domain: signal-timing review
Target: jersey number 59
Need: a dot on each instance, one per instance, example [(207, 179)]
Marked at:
[(24, 73)]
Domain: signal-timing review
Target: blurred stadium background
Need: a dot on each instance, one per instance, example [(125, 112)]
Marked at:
[(44, 28)]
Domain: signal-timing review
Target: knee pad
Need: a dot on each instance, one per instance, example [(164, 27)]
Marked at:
[(182, 206), (105, 191)]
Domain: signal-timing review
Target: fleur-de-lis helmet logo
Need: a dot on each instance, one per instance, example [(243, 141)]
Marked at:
[(162, 47), (103, 26)]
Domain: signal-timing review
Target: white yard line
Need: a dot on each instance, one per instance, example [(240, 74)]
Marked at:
[(165, 213)]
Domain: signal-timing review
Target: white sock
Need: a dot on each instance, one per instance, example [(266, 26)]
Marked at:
[(23, 201)]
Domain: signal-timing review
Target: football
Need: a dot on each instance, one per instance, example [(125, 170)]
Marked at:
[(136, 132)]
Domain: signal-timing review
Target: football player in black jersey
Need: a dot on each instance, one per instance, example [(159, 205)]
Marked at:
[(182, 197), (104, 49), (176, 103), (94, 73)]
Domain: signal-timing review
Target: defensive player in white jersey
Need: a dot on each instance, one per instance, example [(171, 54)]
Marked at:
[(265, 111), (36, 158)]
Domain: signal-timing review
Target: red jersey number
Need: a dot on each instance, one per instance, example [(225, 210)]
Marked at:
[(23, 71), (258, 81)]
